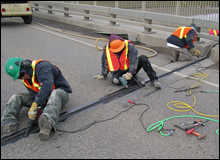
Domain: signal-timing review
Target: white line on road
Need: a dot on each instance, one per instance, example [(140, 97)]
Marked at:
[(183, 75), (58, 34), (168, 70)]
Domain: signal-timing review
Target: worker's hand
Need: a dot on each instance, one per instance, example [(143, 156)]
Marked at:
[(33, 111), (127, 76), (98, 77), (194, 52)]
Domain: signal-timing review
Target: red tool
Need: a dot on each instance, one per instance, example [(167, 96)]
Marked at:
[(195, 133), (130, 101)]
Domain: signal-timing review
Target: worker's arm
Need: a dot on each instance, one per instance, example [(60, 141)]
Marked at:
[(45, 76), (132, 55), (105, 70), (189, 39)]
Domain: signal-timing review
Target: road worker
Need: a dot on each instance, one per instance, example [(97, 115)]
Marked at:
[(45, 83), (181, 42), (120, 58)]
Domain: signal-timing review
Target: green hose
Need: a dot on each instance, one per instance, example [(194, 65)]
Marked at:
[(160, 123)]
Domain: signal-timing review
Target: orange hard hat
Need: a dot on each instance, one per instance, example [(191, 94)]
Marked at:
[(116, 45)]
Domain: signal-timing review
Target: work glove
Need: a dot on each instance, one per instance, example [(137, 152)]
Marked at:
[(127, 76), (33, 111), (98, 77), (194, 52)]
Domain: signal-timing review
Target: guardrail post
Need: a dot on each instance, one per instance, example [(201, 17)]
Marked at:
[(112, 23), (86, 12), (36, 9), (148, 21), (66, 14), (143, 7), (49, 11), (116, 4)]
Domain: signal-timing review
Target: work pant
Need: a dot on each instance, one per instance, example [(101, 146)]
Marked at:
[(144, 63), (57, 99), (185, 54)]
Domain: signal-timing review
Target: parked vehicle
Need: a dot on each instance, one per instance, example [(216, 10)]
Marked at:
[(17, 9)]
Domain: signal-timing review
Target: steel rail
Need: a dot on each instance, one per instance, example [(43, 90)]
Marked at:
[(63, 116)]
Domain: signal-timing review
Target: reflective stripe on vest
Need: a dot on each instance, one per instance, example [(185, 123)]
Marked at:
[(35, 86), (213, 32), (114, 63), (182, 32)]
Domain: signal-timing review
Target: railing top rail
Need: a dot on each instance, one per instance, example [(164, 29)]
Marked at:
[(74, 6), (144, 15)]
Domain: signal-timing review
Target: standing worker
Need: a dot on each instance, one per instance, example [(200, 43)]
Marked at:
[(120, 58), (182, 42), (45, 83)]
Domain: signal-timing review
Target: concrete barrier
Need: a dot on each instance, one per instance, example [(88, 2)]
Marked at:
[(156, 38)]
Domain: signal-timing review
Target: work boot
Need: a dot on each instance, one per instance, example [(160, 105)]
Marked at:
[(173, 56), (156, 84), (8, 126), (45, 126)]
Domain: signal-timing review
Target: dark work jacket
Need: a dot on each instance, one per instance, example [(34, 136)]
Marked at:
[(47, 75), (182, 42), (132, 56)]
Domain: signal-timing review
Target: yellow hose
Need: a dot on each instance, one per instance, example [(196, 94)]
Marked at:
[(179, 104), (97, 39)]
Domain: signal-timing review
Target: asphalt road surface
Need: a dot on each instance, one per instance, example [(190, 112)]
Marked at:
[(122, 137)]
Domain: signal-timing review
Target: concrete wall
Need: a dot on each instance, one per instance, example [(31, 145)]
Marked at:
[(157, 38)]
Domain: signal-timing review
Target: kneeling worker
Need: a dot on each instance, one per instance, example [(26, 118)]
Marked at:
[(120, 58), (182, 42)]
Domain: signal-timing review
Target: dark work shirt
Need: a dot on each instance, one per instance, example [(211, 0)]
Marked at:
[(47, 75)]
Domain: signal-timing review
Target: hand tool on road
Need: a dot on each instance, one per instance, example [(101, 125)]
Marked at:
[(196, 121), (207, 91), (196, 125), (123, 81), (32, 122), (180, 90), (193, 132)]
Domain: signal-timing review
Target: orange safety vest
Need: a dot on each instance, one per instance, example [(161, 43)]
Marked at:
[(35, 86), (114, 63), (182, 32)]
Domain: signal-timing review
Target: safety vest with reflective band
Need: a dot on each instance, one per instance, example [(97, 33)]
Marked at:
[(213, 32), (114, 63), (182, 32), (35, 86)]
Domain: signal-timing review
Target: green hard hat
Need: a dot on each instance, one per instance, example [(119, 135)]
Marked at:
[(194, 26), (12, 68)]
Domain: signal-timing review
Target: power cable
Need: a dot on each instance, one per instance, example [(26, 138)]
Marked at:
[(179, 104), (95, 122), (159, 124)]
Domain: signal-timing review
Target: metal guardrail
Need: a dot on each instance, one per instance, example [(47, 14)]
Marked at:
[(127, 16)]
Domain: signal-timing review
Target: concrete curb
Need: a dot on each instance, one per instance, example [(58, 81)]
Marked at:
[(157, 38)]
